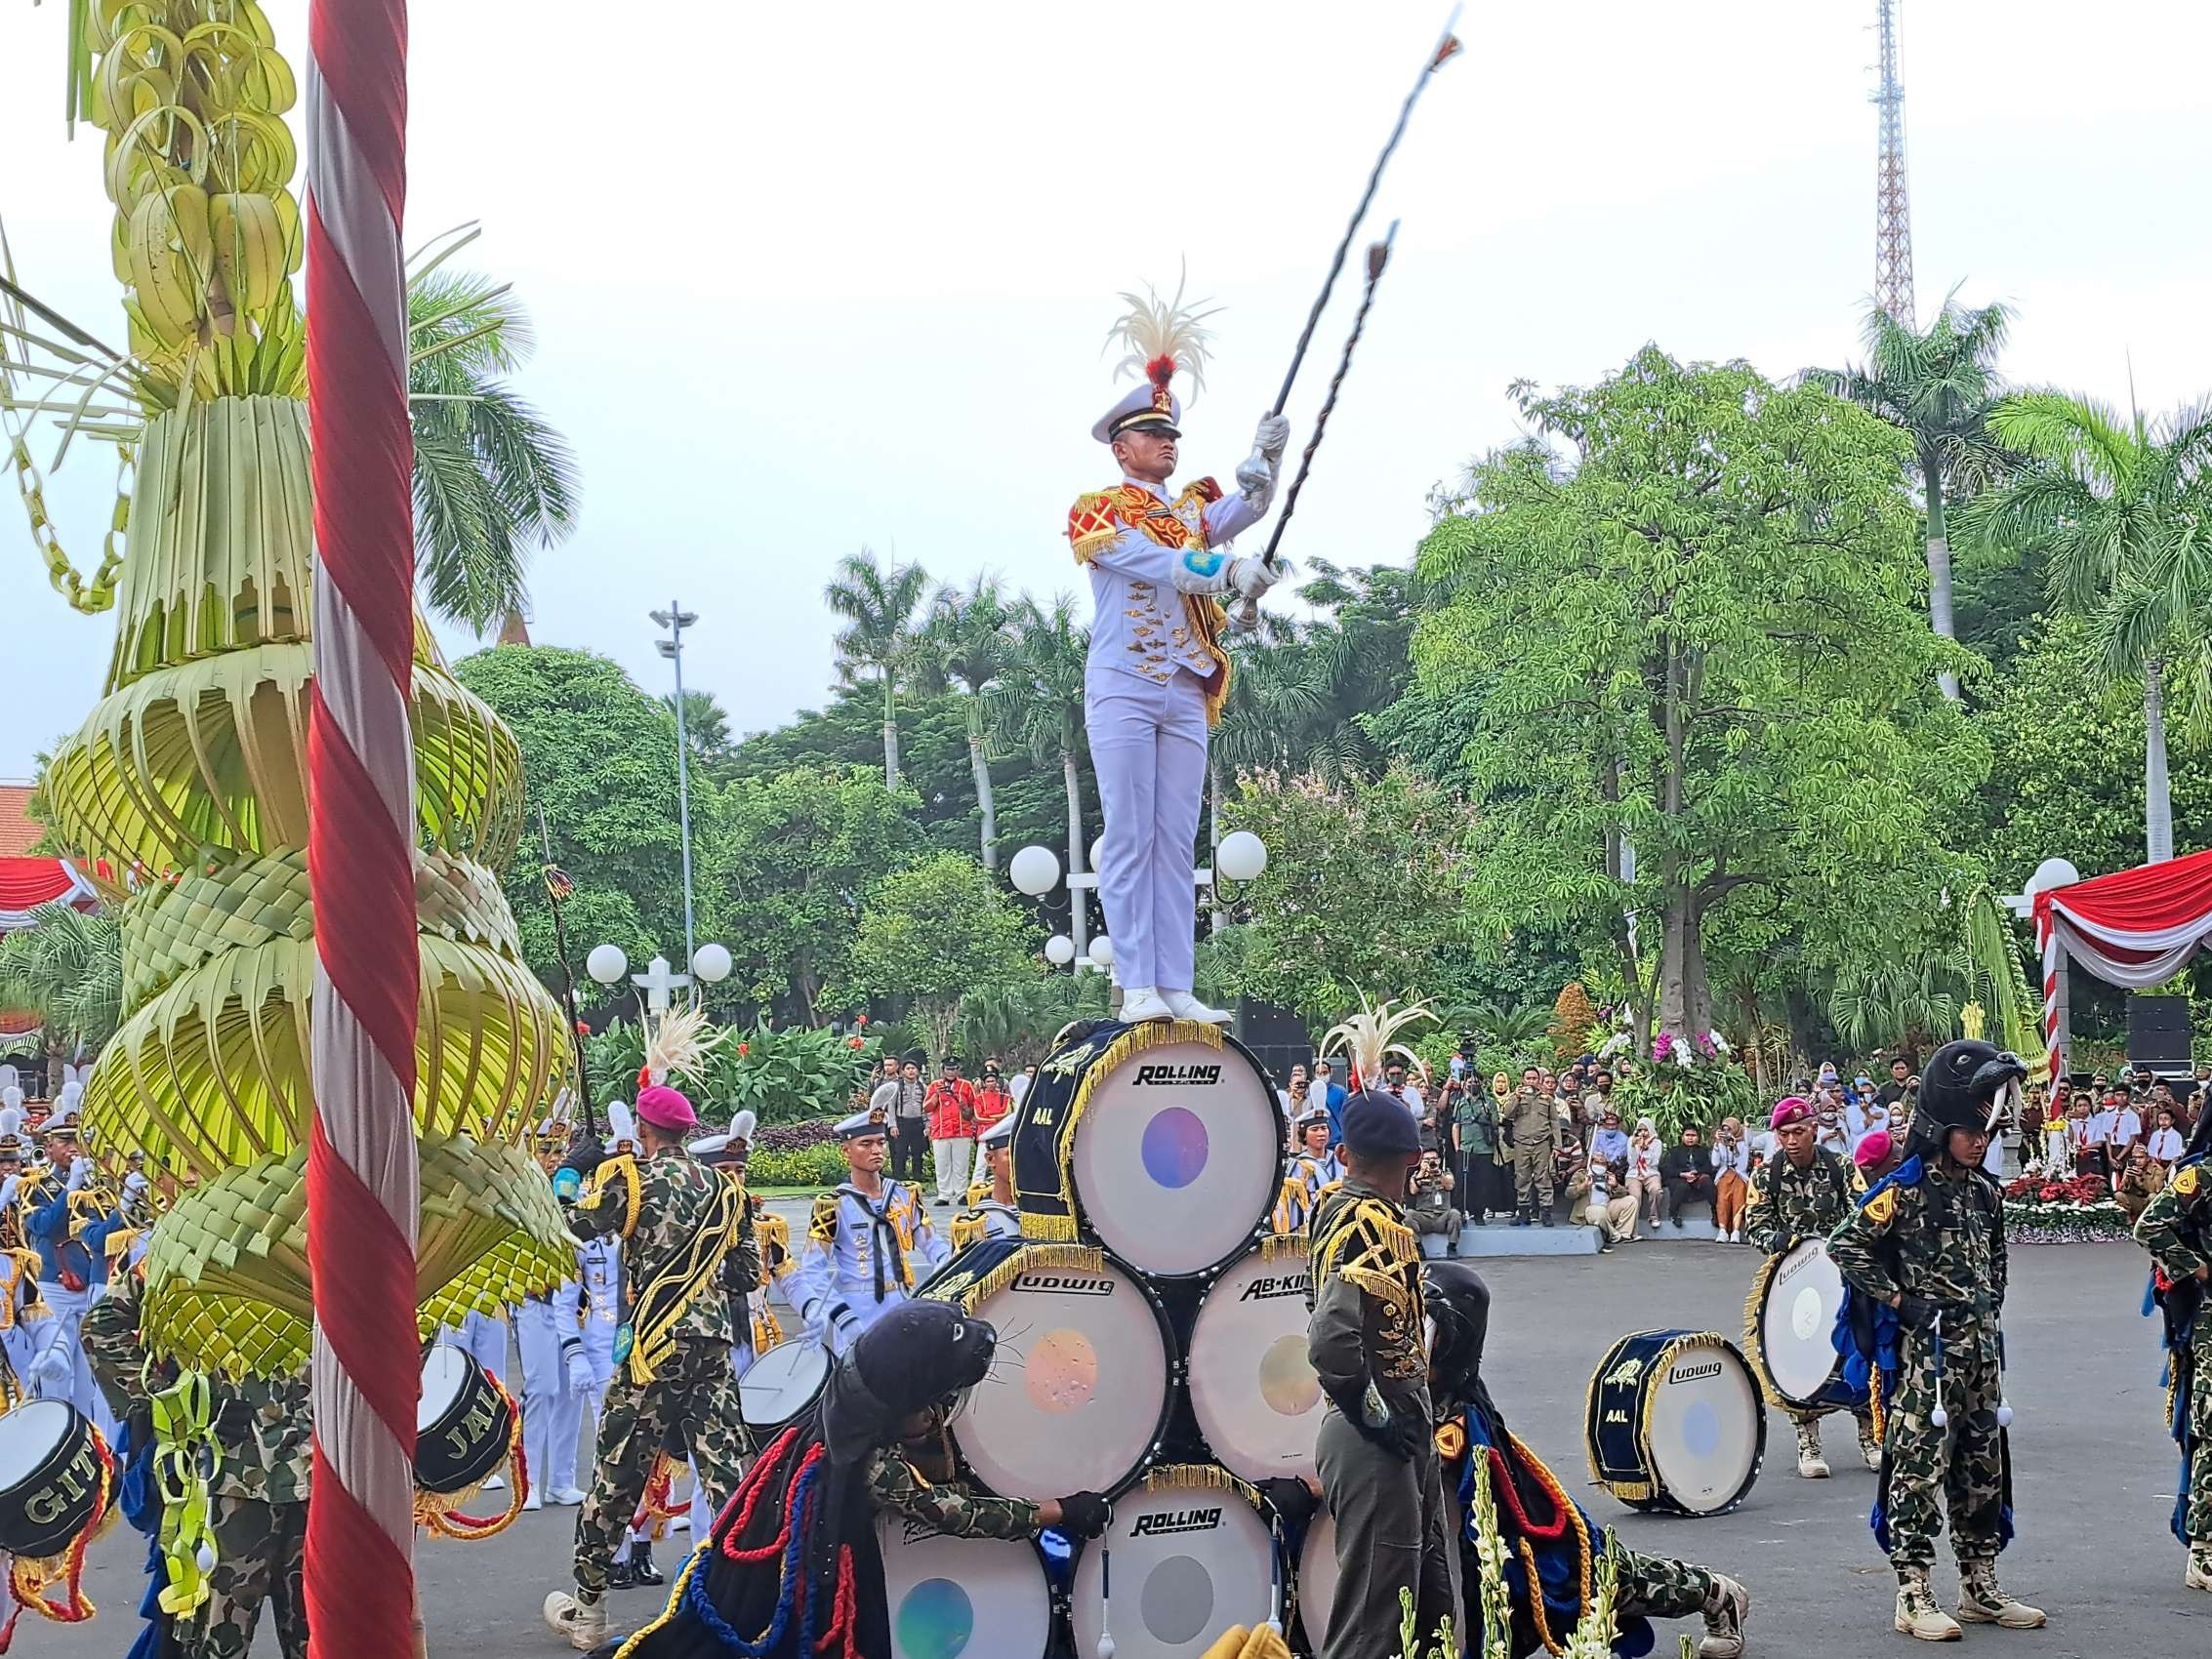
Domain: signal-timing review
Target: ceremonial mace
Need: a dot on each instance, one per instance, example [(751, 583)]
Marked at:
[(557, 888)]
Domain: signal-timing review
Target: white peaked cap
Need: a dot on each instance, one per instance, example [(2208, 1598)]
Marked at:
[(743, 1124)]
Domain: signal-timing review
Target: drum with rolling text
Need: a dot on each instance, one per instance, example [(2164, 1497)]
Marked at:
[(1252, 1390), (963, 1597), (1186, 1556), (1675, 1423)]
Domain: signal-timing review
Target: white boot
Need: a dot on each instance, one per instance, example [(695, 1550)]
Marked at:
[(1869, 1448), (1141, 1003), (2198, 1575), (1917, 1614), (1184, 1006), (1811, 1465), (1982, 1600), (582, 1626), (1726, 1609)]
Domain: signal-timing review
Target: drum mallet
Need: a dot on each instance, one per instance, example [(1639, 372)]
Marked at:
[(1939, 1417), (1105, 1648)]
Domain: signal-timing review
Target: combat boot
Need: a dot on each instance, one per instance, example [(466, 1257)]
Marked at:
[(582, 1625), (1519, 1215), (1549, 1220), (1811, 1465), (2198, 1575), (1982, 1600), (1917, 1614), (1727, 1607), (1869, 1447)]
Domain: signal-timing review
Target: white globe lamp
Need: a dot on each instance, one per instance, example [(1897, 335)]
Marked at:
[(1098, 854), (607, 964), (1033, 870), (1102, 951), (1059, 950), (1241, 856), (712, 962), (2051, 874)]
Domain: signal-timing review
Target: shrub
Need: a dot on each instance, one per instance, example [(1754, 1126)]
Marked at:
[(821, 1165)]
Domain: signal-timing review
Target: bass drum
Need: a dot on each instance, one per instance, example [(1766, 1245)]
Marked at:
[(963, 1597), (1166, 1150), (1675, 1423), (1316, 1578), (1082, 1380), (1790, 1327), (1190, 1558), (1251, 1387)]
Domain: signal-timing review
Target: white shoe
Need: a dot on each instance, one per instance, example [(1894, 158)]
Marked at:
[(567, 1497), (533, 1501), (681, 1522), (495, 1485), (582, 1628), (1141, 1003), (1184, 1006), (1726, 1611), (1720, 1239)]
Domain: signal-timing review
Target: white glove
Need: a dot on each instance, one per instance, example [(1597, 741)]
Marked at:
[(1273, 437), (1253, 577), (1256, 473), (80, 1171), (133, 1185), (52, 1368), (7, 1189), (580, 1378)]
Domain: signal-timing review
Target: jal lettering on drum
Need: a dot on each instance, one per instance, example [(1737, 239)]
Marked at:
[(1061, 1283), (472, 1428), (1175, 1521), (1176, 1076), (69, 1487), (1693, 1371), (1268, 1289)]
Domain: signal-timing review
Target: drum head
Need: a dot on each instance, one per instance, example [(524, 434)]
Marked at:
[(1078, 1389), (1316, 1578), (1252, 1387), (1187, 1565), (445, 1373), (782, 1383), (1176, 1156), (963, 1597), (1797, 1321), (1705, 1429), (29, 1435)]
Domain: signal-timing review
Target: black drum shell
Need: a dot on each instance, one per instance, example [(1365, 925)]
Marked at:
[(464, 1444), (43, 1514)]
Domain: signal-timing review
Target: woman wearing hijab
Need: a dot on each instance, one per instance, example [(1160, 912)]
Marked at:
[(1645, 1184), (1547, 1536)]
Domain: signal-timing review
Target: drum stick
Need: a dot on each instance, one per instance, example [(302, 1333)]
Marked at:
[(1274, 1576), (1105, 1597), (1939, 1417)]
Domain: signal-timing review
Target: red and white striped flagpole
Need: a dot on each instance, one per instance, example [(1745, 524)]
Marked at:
[(361, 1169)]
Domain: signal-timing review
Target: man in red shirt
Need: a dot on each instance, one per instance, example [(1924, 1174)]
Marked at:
[(950, 1106)]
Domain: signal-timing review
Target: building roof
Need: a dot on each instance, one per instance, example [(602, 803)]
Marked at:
[(18, 831)]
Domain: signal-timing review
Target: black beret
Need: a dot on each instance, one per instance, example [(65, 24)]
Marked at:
[(1379, 1125)]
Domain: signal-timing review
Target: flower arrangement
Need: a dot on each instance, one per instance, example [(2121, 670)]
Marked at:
[(2077, 1209), (1686, 1080)]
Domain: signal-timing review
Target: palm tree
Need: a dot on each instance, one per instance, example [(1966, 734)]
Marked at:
[(492, 478), (1037, 704), (1938, 388), (878, 603), (2123, 510), (67, 967), (969, 639), (705, 731)]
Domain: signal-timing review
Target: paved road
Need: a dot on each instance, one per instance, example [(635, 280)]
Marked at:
[(2095, 1480)]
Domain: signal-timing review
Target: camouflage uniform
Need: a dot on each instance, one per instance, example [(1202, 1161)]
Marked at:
[(1532, 1131), (260, 1509), (1786, 1204), (1941, 1239), (1657, 1587), (690, 1398), (896, 1482), (1367, 1339), (2177, 1229)]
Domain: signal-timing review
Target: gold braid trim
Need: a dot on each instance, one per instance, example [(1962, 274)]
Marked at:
[(1200, 1478), (670, 1293), (622, 1167), (1137, 1040), (1751, 1308), (1627, 1491), (1386, 1249), (1032, 1258), (1277, 1245)]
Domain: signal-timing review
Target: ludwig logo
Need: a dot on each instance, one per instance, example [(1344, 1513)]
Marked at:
[(1267, 1289), (1177, 1076), (1175, 1521), (1064, 1282), (1694, 1372)]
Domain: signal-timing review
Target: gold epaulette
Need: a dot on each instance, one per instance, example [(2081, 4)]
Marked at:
[(772, 1234), (622, 1167), (822, 1225), (1093, 523)]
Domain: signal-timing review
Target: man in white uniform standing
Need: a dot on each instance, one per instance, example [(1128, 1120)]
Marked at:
[(1158, 673)]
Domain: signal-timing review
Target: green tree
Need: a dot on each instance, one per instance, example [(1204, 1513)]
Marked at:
[(598, 757), (67, 967), (492, 477), (970, 640), (2123, 512), (795, 855), (1712, 614), (1039, 706), (1937, 387), (878, 603), (706, 733), (934, 932)]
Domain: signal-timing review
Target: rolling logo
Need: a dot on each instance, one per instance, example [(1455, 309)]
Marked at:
[(1175, 1521), (1177, 1076)]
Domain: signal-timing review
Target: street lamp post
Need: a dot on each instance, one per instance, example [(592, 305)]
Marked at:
[(675, 619), (609, 963), (1036, 872)]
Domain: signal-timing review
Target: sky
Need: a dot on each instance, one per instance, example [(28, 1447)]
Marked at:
[(813, 279)]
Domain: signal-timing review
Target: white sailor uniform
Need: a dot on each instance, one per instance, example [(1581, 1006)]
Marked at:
[(549, 1330), (861, 1256)]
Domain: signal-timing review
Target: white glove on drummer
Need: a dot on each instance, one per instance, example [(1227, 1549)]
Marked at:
[(580, 1379), (7, 1189), (1253, 577), (1257, 472), (80, 1172)]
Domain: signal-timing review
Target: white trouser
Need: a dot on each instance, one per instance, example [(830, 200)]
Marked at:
[(1148, 747), (951, 1155), (553, 1413), (58, 1344)]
